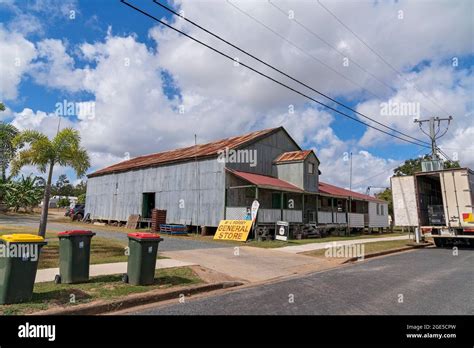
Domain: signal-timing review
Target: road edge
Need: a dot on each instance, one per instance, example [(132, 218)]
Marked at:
[(387, 252), (135, 300)]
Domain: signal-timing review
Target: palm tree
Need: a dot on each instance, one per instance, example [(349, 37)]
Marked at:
[(63, 150), (7, 150)]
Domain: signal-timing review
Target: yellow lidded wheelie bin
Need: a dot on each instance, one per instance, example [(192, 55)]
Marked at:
[(18, 265)]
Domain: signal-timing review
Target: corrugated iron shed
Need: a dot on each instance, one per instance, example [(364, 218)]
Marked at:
[(293, 156), (264, 181), (185, 154), (339, 191), (269, 182)]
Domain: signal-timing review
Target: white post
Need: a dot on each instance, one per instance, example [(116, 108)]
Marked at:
[(417, 235)]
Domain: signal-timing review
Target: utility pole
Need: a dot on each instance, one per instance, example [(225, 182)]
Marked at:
[(350, 173), (349, 203), (434, 124), (198, 184)]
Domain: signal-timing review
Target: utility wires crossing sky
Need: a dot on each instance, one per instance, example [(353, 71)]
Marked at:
[(416, 141)]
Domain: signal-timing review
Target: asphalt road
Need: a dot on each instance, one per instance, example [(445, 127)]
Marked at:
[(425, 282), (168, 243)]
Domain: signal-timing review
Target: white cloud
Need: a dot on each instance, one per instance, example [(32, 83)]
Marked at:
[(16, 55), (133, 115), (41, 121)]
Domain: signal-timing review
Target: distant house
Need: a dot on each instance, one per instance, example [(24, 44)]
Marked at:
[(203, 184), (53, 201)]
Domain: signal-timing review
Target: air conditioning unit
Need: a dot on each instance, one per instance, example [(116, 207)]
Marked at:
[(430, 166)]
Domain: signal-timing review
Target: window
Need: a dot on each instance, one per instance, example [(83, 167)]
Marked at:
[(382, 210), (311, 168), (276, 201), (378, 209)]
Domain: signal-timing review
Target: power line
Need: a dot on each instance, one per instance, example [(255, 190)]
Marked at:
[(303, 50), (264, 75), (399, 74), (337, 50), (283, 73), (386, 170), (433, 134)]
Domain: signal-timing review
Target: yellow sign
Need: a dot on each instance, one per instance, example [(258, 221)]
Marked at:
[(233, 230), (468, 217)]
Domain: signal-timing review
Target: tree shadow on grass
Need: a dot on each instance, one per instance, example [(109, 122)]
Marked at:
[(171, 280), (60, 296)]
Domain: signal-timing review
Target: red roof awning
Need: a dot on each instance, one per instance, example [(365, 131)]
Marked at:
[(339, 191), (265, 181)]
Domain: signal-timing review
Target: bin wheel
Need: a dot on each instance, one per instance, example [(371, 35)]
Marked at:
[(57, 279), (125, 278)]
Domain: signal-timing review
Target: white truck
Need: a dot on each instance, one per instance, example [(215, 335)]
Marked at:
[(439, 202)]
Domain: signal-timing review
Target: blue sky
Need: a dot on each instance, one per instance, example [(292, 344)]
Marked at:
[(78, 60)]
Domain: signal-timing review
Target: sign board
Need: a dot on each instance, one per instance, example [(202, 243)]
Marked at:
[(233, 230), (254, 210), (282, 230)]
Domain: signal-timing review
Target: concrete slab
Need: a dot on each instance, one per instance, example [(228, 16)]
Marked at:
[(48, 274), (296, 249), (253, 264)]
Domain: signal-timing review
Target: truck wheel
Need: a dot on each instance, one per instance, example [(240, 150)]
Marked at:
[(439, 242)]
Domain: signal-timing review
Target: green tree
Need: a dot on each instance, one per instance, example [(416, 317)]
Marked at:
[(413, 165), (2, 107), (80, 188), (81, 199), (63, 202), (62, 187), (64, 150), (24, 193), (7, 149), (386, 195)]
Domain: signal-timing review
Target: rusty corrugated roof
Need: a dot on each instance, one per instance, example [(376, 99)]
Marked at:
[(187, 153), (265, 181), (269, 182), (339, 191), (293, 156)]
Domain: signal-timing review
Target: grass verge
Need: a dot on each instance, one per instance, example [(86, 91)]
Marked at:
[(49, 295), (369, 248), (279, 244)]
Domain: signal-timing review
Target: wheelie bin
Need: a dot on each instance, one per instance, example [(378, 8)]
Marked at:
[(74, 256), (143, 248), (18, 265)]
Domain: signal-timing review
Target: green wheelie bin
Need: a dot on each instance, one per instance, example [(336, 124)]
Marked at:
[(18, 265), (74, 256), (143, 248)]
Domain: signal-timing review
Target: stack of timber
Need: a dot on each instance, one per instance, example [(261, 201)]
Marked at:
[(158, 217), (174, 229)]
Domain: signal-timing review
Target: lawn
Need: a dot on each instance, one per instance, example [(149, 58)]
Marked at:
[(103, 250), (369, 248), (48, 295), (279, 244), (263, 244)]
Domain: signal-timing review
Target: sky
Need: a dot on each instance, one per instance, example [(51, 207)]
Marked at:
[(137, 87)]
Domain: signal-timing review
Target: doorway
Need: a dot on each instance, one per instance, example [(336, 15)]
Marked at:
[(148, 204)]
